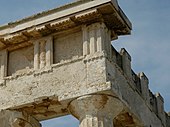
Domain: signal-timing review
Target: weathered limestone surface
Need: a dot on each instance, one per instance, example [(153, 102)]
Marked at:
[(62, 62), (80, 77)]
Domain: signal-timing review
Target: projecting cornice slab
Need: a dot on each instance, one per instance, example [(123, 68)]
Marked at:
[(63, 18)]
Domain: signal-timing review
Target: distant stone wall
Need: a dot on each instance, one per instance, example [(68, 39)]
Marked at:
[(139, 82), (168, 119)]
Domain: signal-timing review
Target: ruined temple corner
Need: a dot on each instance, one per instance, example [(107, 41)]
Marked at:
[(61, 62)]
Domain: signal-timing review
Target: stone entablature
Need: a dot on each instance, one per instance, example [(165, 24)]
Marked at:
[(62, 62), (21, 33)]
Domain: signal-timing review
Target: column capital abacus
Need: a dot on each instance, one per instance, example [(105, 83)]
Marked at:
[(96, 110)]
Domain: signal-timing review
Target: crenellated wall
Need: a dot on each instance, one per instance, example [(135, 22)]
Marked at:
[(154, 101), (168, 119)]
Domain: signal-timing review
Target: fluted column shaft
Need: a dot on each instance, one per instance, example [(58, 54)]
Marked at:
[(96, 110), (3, 63), (96, 121)]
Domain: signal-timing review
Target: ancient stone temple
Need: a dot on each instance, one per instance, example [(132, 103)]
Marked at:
[(61, 62)]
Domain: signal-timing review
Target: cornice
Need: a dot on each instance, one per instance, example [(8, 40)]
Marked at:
[(79, 13)]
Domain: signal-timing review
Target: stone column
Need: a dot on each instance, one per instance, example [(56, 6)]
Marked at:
[(126, 62), (86, 49), (160, 108), (144, 86), (96, 110), (96, 38), (42, 54), (92, 38), (49, 51), (4, 63), (108, 42), (36, 55), (100, 36), (17, 119)]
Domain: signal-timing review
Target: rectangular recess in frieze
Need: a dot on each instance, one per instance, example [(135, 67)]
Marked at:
[(20, 61), (68, 46)]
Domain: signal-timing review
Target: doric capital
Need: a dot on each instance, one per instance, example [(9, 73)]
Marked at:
[(96, 105)]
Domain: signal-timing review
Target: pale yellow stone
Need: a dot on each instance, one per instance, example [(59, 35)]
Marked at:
[(62, 62)]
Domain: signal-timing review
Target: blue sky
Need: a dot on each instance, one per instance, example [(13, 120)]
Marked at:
[(149, 44)]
